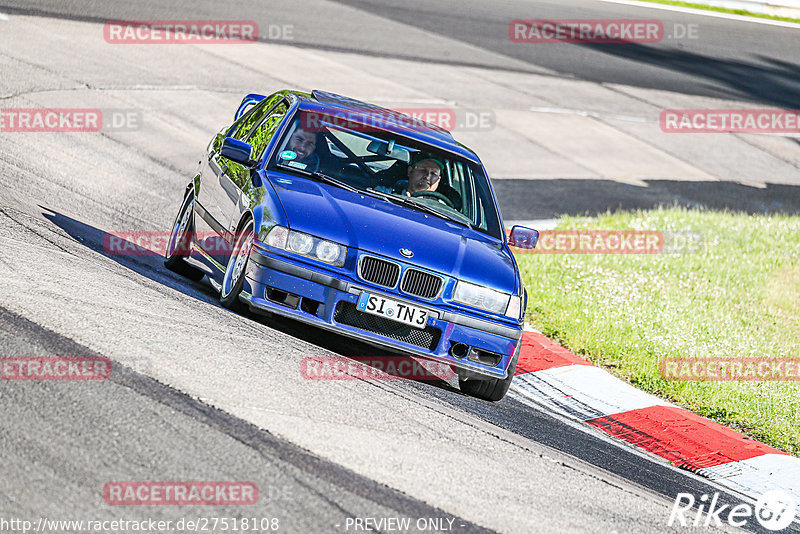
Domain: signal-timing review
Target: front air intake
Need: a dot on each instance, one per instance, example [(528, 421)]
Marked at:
[(380, 272), (421, 284)]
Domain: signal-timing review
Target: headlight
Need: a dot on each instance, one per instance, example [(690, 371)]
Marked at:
[(277, 237), (481, 297), (328, 251), (306, 245), (300, 243), (514, 305)]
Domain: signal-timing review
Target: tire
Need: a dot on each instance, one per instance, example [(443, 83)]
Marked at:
[(491, 389), (233, 280), (180, 242)]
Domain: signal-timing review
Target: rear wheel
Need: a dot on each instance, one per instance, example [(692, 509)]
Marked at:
[(490, 389), (233, 281), (180, 242)]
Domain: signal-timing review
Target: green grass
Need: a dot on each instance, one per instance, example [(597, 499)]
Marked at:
[(722, 10), (737, 295)]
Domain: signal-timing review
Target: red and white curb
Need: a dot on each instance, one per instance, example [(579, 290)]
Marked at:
[(552, 376)]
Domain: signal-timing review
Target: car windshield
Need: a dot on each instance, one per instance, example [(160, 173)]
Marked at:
[(385, 164)]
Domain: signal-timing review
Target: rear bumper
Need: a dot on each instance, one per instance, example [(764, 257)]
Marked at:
[(279, 285)]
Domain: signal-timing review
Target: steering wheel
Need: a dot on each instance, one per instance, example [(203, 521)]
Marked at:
[(434, 195)]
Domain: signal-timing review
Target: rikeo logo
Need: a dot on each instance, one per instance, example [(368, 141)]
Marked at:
[(774, 510)]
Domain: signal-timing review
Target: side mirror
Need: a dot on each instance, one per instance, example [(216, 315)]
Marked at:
[(523, 237), (237, 151)]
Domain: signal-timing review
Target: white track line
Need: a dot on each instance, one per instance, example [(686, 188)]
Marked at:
[(584, 392), (585, 113), (759, 474), (702, 12)]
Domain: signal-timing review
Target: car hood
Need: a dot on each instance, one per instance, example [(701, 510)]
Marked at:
[(383, 228)]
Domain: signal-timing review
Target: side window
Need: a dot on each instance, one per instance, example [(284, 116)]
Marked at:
[(456, 175), (488, 218), (475, 210), (481, 213), (459, 182), (260, 137), (242, 128)]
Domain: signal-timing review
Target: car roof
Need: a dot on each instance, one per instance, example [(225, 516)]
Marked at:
[(382, 118)]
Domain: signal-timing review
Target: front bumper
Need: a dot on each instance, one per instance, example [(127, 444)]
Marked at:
[(283, 286)]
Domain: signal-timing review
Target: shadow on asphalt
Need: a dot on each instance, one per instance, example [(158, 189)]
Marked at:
[(546, 199), (758, 78), (150, 265), (770, 81), (668, 65)]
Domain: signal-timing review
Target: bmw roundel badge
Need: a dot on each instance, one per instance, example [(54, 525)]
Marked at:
[(407, 253)]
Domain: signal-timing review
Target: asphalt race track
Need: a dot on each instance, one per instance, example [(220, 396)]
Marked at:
[(199, 393)]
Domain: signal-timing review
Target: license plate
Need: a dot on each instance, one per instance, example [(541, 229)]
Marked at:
[(391, 309)]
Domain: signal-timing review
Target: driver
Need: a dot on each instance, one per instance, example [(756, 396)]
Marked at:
[(424, 175)]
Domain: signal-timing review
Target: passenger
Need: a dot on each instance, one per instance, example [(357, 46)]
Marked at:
[(304, 143)]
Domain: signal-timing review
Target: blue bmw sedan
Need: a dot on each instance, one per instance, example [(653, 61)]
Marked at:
[(363, 221)]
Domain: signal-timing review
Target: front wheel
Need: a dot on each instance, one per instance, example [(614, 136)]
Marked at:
[(233, 281), (491, 389), (180, 242)]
